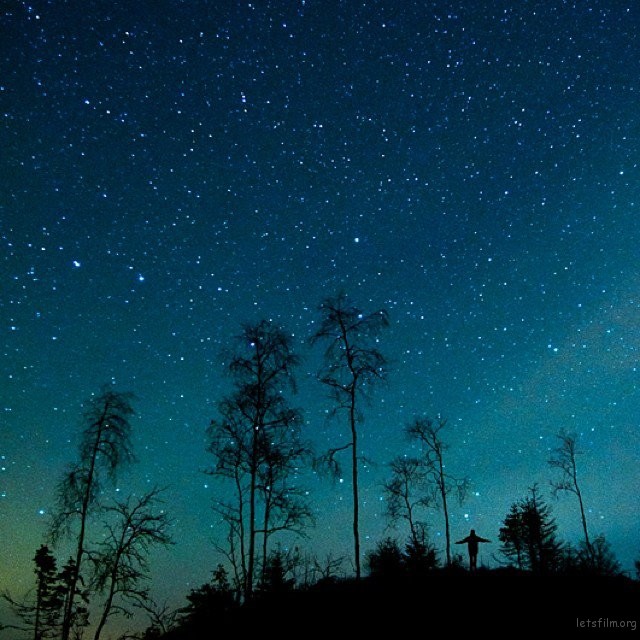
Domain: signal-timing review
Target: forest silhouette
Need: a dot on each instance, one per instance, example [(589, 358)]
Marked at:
[(258, 445)]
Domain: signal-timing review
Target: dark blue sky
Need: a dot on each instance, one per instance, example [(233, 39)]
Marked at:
[(172, 169)]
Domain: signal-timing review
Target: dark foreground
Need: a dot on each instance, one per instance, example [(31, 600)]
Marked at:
[(500, 601)]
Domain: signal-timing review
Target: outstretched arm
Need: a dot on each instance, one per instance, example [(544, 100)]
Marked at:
[(483, 540), (462, 541)]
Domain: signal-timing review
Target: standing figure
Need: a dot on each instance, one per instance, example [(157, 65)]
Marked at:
[(472, 541)]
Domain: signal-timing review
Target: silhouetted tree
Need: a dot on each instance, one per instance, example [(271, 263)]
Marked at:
[(529, 535), (230, 441), (310, 569), (209, 602), (104, 446), (512, 536), (284, 505), (255, 442), (426, 432), (48, 595), (40, 617), (276, 576), (120, 562), (406, 493), (563, 458), (598, 558), (353, 364), (419, 557), (79, 618), (162, 619), (386, 561)]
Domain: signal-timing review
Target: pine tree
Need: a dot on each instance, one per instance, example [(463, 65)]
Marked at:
[(542, 548), (48, 595), (528, 537), (40, 614), (275, 578), (386, 561), (512, 537)]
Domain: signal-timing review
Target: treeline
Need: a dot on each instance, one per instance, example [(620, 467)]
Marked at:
[(259, 450)]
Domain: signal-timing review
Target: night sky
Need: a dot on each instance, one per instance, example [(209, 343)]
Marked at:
[(170, 170)]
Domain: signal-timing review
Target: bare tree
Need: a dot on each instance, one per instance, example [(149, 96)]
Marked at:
[(284, 505), (80, 607), (230, 442), (352, 365), (406, 493), (105, 445), (120, 563), (426, 431), (162, 617), (329, 567), (258, 435), (563, 458)]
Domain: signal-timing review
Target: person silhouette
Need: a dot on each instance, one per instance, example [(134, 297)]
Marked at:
[(472, 541)]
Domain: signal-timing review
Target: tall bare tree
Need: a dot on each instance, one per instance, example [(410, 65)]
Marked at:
[(120, 562), (284, 505), (426, 432), (406, 494), (353, 363), (105, 445), (563, 458), (229, 441), (257, 435)]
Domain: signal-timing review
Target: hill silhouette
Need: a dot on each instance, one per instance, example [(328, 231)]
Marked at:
[(447, 601)]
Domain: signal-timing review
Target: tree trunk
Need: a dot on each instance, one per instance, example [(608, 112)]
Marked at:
[(445, 509), (354, 479), (248, 587), (243, 558), (106, 610), (584, 523), (37, 635), (73, 586), (265, 535)]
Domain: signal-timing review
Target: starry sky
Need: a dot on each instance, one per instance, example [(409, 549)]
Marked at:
[(172, 169)]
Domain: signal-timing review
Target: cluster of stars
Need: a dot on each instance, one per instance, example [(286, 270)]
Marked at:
[(471, 168)]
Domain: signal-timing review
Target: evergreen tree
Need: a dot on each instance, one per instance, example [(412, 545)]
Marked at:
[(528, 536), (512, 537), (48, 595), (419, 557), (40, 614), (208, 602), (275, 574), (386, 561)]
